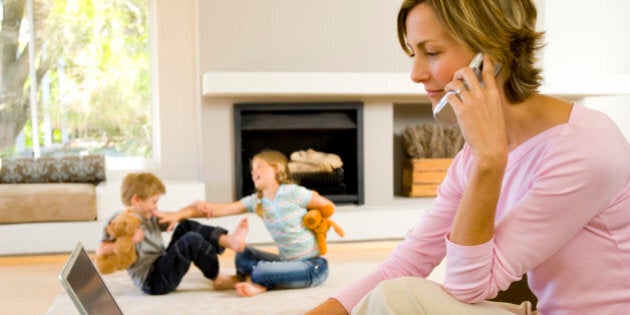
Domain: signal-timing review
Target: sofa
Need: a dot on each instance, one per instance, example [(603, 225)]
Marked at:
[(48, 204), (50, 189)]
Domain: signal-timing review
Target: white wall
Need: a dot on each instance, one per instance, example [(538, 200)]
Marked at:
[(587, 37), (178, 88), (300, 35)]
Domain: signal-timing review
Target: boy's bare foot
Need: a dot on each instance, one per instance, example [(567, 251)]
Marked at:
[(247, 289), (236, 240), (225, 282)]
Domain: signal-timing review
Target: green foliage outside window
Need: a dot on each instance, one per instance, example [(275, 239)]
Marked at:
[(92, 61)]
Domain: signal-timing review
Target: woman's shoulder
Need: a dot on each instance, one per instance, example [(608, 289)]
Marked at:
[(590, 142), (592, 119), (593, 131)]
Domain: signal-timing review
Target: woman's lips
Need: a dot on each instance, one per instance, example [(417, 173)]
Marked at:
[(434, 93)]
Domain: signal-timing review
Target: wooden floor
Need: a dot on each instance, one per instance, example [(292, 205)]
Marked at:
[(29, 285)]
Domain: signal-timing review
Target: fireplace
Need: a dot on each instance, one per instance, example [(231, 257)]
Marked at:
[(288, 127)]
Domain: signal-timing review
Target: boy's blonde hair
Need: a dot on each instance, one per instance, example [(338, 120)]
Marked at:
[(278, 160), (144, 185)]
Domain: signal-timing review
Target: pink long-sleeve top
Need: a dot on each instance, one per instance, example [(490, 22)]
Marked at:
[(563, 218)]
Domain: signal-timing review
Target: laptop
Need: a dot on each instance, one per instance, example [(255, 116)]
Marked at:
[(85, 286)]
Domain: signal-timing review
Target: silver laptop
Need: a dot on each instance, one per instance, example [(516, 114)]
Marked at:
[(85, 285)]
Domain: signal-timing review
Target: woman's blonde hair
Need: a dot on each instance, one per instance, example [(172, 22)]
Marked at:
[(144, 185), (278, 160), (505, 30)]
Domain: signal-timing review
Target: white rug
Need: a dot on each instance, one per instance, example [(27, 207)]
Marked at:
[(196, 296)]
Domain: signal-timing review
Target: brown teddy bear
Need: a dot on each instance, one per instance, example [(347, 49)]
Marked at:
[(121, 229), (318, 221)]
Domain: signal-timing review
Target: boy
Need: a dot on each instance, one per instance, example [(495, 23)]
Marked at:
[(158, 270)]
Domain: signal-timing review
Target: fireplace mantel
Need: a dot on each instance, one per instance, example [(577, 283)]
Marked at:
[(394, 85), (231, 84)]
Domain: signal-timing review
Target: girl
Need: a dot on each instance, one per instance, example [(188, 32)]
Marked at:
[(281, 205)]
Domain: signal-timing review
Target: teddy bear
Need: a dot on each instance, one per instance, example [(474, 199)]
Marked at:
[(318, 221), (121, 229)]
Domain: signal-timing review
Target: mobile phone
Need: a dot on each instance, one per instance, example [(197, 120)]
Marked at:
[(443, 112)]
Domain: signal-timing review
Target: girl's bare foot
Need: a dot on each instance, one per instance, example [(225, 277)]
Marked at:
[(225, 282), (236, 240), (247, 289)]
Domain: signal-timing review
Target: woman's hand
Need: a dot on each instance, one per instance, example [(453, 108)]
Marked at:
[(479, 110), (329, 307), (480, 115)]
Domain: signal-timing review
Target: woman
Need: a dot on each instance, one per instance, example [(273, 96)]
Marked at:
[(542, 185)]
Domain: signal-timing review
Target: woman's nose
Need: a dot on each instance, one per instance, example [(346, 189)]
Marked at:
[(419, 72)]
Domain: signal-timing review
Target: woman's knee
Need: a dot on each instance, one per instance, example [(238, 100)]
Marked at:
[(399, 296)]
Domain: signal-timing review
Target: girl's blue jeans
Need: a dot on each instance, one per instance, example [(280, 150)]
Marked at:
[(268, 270), (191, 242)]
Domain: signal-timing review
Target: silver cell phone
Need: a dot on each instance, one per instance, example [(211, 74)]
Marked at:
[(443, 112)]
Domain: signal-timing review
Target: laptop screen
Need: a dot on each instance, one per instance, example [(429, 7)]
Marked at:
[(85, 285)]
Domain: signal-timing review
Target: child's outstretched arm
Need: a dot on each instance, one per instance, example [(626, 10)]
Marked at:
[(193, 210), (214, 210)]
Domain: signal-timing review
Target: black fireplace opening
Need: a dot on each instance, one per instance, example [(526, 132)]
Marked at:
[(289, 127)]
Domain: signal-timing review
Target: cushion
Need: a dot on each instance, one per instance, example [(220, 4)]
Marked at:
[(55, 202), (68, 169)]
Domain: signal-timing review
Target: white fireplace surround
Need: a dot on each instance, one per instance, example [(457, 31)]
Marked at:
[(379, 92)]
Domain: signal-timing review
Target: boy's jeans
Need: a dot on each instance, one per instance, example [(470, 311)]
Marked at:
[(191, 242), (268, 270)]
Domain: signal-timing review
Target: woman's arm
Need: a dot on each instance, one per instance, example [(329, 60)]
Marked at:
[(474, 221), (482, 123), (329, 307)]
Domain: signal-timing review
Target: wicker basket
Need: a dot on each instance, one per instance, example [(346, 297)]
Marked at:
[(421, 177)]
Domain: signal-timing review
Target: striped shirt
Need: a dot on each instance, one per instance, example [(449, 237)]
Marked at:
[(283, 219)]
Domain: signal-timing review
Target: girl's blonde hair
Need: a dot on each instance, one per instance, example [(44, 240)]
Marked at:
[(505, 30), (144, 185), (278, 160)]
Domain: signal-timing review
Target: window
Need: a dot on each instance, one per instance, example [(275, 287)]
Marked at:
[(89, 90)]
